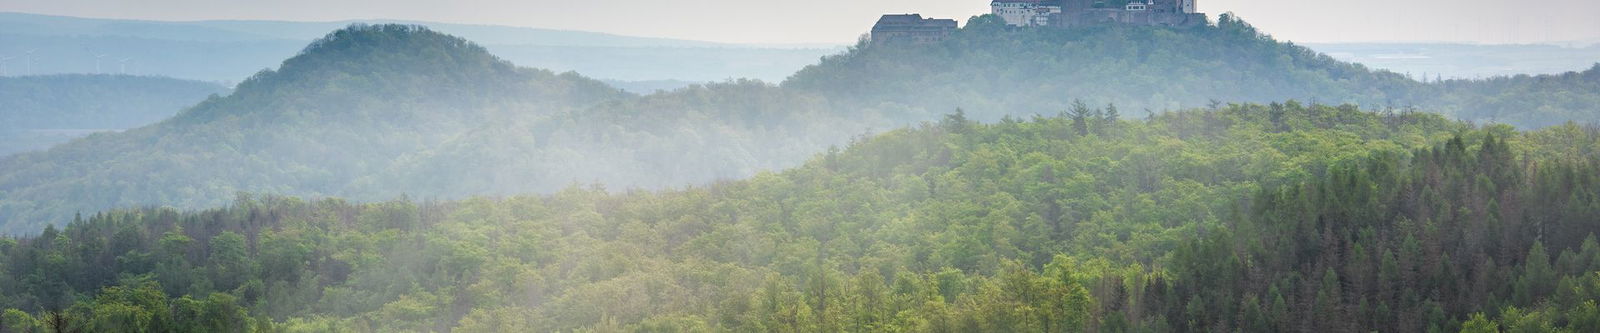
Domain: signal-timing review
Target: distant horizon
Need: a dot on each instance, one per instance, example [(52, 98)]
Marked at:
[(1569, 43), (1429, 59), (425, 22), (838, 22)]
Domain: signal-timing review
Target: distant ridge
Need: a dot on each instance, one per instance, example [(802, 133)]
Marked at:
[(231, 50), (256, 30), (40, 111)]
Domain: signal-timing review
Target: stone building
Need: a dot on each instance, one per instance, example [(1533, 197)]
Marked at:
[(1026, 13), (910, 29), (1072, 13)]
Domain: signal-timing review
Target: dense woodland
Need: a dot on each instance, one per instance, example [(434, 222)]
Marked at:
[(1280, 217), (37, 112)]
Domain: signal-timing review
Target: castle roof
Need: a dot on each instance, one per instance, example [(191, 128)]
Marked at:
[(900, 18), (913, 20)]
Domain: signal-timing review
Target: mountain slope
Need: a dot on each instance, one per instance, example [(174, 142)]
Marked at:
[(992, 70), (348, 105), (376, 112), (39, 111), (691, 136)]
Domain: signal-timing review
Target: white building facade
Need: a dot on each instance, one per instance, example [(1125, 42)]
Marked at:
[(1025, 13)]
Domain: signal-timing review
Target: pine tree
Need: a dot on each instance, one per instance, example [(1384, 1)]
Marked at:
[(1329, 302), (1538, 278), (1080, 114)]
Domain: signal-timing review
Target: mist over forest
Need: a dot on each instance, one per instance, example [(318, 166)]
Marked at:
[(1115, 178), (42, 111)]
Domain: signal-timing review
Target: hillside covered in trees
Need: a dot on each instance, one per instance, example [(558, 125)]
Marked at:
[(1279, 217), (376, 112), (37, 112), (993, 70)]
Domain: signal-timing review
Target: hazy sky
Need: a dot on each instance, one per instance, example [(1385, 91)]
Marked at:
[(841, 21)]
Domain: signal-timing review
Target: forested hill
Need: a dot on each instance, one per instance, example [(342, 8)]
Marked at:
[(350, 105), (377, 112), (1525, 100), (39, 111), (1257, 218), (992, 70), (431, 77)]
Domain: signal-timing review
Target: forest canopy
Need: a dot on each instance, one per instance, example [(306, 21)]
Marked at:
[(1278, 217)]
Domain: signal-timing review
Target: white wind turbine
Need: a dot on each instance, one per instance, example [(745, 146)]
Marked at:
[(3, 61), (29, 59), (124, 64), (97, 63)]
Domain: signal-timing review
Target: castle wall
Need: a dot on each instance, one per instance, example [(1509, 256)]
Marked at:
[(1148, 17), (1074, 13), (909, 37), (1076, 5)]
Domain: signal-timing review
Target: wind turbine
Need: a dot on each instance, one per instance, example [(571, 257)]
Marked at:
[(3, 61), (29, 60), (97, 63), (124, 63)]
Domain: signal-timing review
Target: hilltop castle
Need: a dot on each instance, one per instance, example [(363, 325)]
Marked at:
[(914, 29)]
